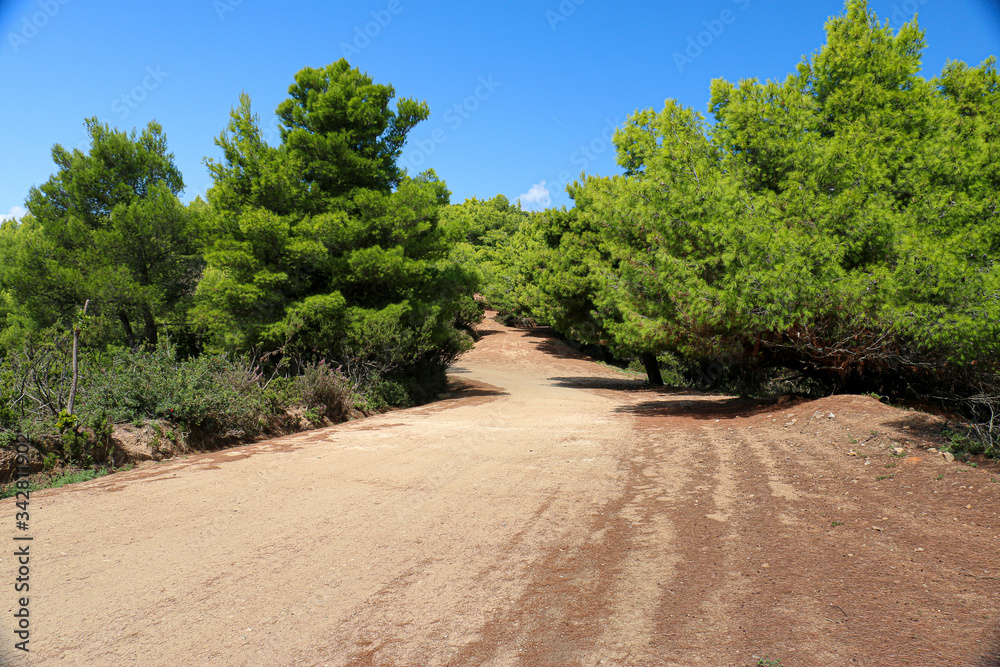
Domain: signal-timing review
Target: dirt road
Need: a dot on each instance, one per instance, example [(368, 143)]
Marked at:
[(552, 512)]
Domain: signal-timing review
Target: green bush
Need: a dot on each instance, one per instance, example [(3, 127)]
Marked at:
[(326, 389), (509, 319), (381, 394), (214, 394), (972, 440)]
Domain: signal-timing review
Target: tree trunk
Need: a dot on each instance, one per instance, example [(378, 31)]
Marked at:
[(149, 327), (652, 369), (76, 362), (129, 334)]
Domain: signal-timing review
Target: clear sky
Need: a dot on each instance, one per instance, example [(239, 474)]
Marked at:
[(524, 94)]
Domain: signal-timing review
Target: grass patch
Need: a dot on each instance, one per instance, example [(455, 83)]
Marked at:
[(61, 479)]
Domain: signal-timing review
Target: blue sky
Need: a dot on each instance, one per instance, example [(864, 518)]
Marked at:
[(524, 94)]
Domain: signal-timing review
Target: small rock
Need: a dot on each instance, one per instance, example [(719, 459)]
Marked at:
[(933, 450), (831, 415), (852, 453), (919, 549), (948, 456), (968, 507), (898, 450)]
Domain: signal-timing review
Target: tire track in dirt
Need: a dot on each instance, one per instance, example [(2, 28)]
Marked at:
[(571, 599), (768, 566), (703, 509)]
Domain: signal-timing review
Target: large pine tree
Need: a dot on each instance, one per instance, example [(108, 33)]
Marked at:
[(322, 245)]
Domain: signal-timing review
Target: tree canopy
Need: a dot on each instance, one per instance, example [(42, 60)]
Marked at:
[(106, 227), (321, 248), (322, 244), (841, 223)]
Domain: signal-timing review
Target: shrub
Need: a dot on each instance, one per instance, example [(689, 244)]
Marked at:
[(215, 394), (326, 389), (509, 319)]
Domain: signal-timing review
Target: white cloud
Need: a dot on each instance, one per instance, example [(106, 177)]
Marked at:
[(15, 212), (536, 197)]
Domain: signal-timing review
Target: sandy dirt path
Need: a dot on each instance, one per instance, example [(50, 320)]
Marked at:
[(551, 512)]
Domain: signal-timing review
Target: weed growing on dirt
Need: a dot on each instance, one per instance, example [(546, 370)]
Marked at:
[(69, 477), (77, 476), (766, 661), (971, 440), (11, 490)]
